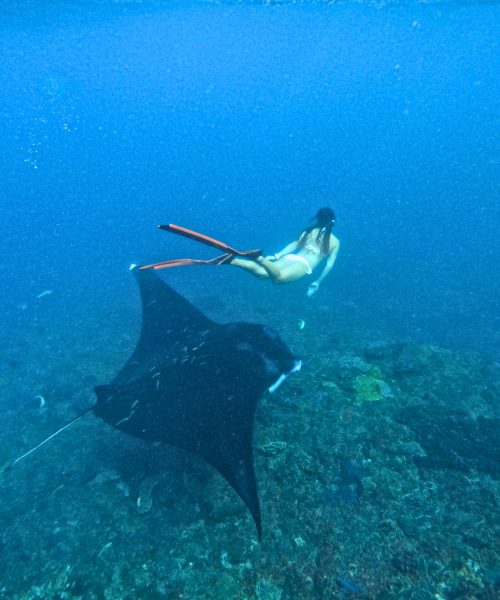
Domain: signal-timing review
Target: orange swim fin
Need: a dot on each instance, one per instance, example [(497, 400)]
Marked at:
[(208, 241), (224, 259)]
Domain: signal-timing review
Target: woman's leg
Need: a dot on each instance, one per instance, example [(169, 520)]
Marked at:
[(251, 267), (283, 271), (278, 272), (272, 269)]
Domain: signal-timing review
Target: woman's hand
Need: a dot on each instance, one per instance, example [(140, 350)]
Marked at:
[(313, 288)]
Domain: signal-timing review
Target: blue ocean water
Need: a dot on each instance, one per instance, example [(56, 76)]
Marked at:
[(240, 120), (377, 465)]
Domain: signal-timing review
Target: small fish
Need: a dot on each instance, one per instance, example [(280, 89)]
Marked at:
[(42, 400), (45, 293)]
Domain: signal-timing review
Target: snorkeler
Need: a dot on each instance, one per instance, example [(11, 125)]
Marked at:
[(301, 257), (296, 260)]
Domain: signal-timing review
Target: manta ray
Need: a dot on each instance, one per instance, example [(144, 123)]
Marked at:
[(195, 384)]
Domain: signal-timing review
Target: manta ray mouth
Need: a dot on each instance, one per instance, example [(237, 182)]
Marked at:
[(296, 367)]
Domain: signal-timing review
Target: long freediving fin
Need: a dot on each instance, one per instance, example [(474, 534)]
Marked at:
[(224, 259), (208, 241)]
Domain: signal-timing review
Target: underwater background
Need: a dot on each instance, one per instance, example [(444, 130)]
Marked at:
[(378, 465)]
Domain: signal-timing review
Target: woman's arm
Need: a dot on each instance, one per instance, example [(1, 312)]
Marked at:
[(330, 261)]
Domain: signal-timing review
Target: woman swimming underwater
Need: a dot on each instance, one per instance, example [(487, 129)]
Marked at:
[(296, 260), (300, 257)]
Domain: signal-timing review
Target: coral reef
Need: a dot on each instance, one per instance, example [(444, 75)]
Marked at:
[(377, 465)]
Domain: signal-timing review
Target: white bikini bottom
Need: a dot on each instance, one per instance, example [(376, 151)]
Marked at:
[(295, 258)]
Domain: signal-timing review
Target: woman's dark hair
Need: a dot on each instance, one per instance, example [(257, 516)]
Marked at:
[(325, 219)]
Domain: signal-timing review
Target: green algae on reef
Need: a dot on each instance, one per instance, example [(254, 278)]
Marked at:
[(370, 387)]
